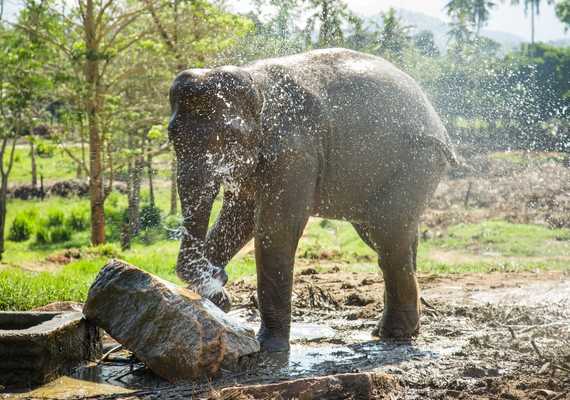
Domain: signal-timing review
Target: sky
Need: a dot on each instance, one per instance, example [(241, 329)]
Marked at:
[(504, 17)]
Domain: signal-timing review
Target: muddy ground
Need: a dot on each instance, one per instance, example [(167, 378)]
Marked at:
[(484, 336)]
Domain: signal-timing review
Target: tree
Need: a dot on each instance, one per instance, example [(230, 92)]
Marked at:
[(425, 43), (394, 37), (460, 34), (22, 84), (191, 33), (475, 12), (329, 16), (534, 7), (563, 12), (91, 35)]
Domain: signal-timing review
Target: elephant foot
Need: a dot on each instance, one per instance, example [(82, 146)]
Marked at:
[(271, 343), (399, 325), (222, 300)]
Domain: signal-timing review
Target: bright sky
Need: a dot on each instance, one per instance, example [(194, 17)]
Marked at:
[(504, 17)]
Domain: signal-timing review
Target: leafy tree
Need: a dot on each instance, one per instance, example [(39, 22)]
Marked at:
[(22, 84), (425, 43), (192, 32), (459, 35), (532, 6), (329, 16), (475, 12), (563, 12), (394, 37)]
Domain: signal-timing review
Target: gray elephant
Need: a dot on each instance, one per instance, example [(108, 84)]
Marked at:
[(331, 133)]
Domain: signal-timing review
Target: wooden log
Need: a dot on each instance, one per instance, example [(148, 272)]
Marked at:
[(364, 385)]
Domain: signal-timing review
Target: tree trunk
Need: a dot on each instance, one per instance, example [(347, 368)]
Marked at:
[(3, 199), (93, 106), (33, 161), (134, 216), (134, 190), (4, 174), (150, 180), (173, 191), (532, 22)]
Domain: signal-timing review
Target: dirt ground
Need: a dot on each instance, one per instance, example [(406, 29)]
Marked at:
[(519, 187), (494, 335), (484, 336)]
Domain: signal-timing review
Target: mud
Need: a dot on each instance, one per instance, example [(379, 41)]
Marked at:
[(497, 335)]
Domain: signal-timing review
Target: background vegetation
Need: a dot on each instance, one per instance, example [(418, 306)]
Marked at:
[(87, 172)]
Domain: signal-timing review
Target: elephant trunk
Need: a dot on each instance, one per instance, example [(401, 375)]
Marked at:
[(197, 190)]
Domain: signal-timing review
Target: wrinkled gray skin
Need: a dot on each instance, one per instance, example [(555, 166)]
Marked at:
[(333, 133)]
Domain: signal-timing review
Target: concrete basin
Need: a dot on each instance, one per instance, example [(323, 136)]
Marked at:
[(36, 347)]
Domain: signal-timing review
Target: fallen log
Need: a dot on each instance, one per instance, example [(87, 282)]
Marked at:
[(178, 334), (364, 385)]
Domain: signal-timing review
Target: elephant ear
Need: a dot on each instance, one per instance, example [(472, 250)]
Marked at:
[(239, 85), (288, 99), (292, 111)]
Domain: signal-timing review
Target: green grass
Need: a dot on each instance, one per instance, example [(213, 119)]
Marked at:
[(517, 247), (506, 239), (57, 167), (324, 244)]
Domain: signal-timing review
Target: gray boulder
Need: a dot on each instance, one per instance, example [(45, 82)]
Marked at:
[(178, 334)]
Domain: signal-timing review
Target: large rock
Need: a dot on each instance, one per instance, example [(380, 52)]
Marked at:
[(175, 332)]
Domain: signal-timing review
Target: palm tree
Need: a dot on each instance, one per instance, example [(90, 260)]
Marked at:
[(480, 13), (534, 7), (476, 12)]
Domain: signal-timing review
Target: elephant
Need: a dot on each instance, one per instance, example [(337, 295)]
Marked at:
[(333, 133)]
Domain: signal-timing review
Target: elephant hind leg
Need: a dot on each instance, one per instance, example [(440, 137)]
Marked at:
[(393, 231)]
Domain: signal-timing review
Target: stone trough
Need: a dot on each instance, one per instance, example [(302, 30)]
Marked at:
[(36, 347)]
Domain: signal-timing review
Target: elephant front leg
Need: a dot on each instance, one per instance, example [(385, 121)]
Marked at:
[(281, 217), (231, 231)]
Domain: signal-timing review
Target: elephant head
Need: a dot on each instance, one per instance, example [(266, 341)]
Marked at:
[(214, 129)]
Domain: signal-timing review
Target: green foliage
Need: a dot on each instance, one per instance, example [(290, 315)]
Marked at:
[(108, 250), (172, 227), (78, 219), (21, 229), (55, 218), (150, 216), (43, 235), (563, 12), (394, 37), (60, 234), (45, 149)]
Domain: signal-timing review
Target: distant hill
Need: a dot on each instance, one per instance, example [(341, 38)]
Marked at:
[(421, 22)]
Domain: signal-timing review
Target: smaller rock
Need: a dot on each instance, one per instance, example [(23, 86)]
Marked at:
[(356, 299), (367, 282), (309, 271)]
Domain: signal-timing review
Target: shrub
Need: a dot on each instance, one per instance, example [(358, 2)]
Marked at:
[(54, 218), (78, 219), (105, 250), (150, 217), (42, 235), (21, 229), (60, 234), (45, 149), (173, 227)]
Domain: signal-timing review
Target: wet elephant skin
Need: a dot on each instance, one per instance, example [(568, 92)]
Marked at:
[(331, 133)]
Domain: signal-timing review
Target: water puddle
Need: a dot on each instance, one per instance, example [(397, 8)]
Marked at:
[(317, 349)]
